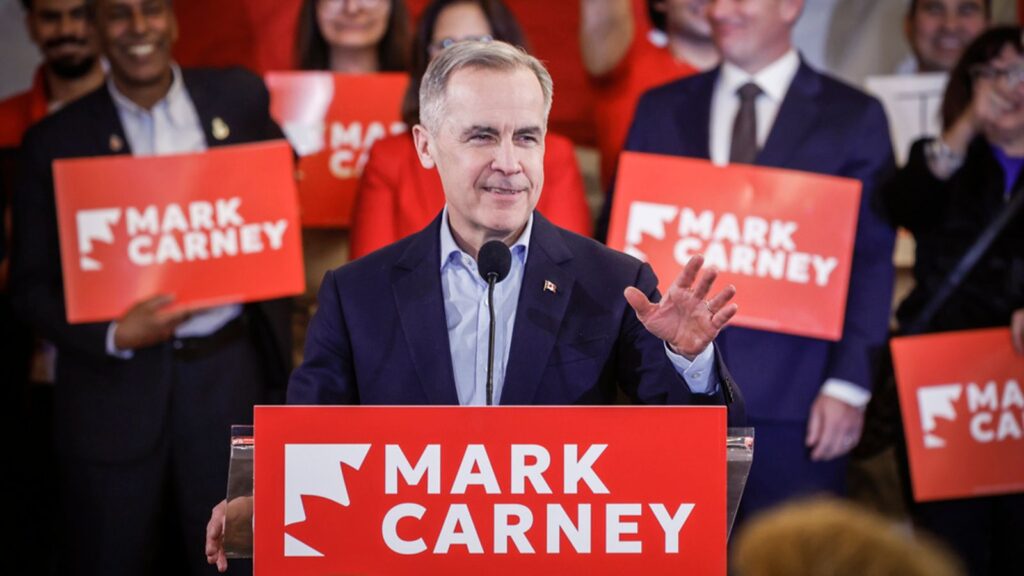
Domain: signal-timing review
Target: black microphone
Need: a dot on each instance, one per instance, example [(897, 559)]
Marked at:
[(494, 261)]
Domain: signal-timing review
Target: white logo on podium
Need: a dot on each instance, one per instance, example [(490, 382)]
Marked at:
[(315, 470)]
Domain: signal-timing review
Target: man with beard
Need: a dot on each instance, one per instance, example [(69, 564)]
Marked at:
[(71, 66)]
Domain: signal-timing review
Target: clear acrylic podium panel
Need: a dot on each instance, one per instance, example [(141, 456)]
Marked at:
[(238, 524)]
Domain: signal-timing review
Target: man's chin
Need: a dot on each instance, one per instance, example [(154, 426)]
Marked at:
[(72, 68)]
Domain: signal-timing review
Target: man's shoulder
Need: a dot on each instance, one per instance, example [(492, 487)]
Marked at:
[(587, 257), (679, 90), (837, 92), (235, 92), (378, 264), (70, 131), (229, 79)]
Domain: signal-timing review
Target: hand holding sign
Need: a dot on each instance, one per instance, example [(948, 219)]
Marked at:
[(683, 318), (148, 323)]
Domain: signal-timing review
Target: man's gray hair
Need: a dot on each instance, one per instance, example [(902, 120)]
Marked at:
[(480, 56)]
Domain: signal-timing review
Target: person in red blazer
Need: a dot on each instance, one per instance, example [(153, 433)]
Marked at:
[(397, 196)]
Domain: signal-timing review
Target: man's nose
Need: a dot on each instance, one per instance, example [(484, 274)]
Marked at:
[(506, 158), (717, 9), (68, 25), (139, 23)]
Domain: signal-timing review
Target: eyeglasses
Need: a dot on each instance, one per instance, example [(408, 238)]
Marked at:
[(435, 48), (337, 5), (1013, 76)]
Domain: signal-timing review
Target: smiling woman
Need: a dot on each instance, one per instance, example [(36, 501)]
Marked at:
[(354, 36)]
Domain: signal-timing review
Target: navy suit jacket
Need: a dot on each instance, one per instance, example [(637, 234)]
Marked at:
[(379, 335), (109, 409), (823, 126)]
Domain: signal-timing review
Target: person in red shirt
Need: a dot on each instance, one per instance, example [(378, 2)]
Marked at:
[(71, 66), (625, 58), (397, 196)]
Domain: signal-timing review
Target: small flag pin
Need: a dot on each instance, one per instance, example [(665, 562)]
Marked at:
[(549, 286)]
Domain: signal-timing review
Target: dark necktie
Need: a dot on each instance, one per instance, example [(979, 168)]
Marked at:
[(743, 148)]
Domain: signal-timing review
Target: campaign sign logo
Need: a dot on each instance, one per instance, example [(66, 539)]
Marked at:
[(208, 228), (455, 490), (332, 121), (963, 412), (783, 238)]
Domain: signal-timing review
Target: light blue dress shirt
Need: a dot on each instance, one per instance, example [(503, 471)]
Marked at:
[(465, 310), (171, 126)]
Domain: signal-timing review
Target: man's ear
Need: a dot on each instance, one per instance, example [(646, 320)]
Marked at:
[(421, 139)]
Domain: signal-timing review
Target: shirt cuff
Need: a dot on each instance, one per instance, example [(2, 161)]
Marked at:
[(112, 349), (846, 392), (700, 375)]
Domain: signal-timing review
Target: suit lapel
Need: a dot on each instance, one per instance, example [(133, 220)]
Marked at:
[(694, 116), (539, 314), (799, 113), (109, 131), (420, 303), (215, 125)]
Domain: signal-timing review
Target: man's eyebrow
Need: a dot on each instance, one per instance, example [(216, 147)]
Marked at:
[(529, 131), (478, 129)]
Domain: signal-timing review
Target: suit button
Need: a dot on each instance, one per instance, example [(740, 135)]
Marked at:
[(178, 344)]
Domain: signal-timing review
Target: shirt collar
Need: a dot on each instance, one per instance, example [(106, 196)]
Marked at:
[(449, 248), (774, 79), (176, 101)]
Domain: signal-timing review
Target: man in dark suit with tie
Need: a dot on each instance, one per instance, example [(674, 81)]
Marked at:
[(144, 404), (764, 106)]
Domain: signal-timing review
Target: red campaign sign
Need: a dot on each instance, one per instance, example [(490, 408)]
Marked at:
[(210, 228), (783, 238), (332, 121), (459, 490), (963, 412)]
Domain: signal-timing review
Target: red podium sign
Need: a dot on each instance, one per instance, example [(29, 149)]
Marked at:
[(210, 228), (783, 238), (457, 490), (332, 121), (963, 412)]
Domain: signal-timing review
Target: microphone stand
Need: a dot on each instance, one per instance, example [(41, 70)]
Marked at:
[(492, 279)]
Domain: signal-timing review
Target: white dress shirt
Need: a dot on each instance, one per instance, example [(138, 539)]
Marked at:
[(171, 126), (468, 321)]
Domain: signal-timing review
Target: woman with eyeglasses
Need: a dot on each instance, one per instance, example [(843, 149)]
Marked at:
[(396, 195), (353, 36), (950, 190)]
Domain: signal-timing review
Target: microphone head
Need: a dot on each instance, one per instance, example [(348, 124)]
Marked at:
[(494, 258)]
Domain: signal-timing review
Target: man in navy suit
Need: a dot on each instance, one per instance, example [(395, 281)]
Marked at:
[(764, 106), (144, 405), (408, 324)]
